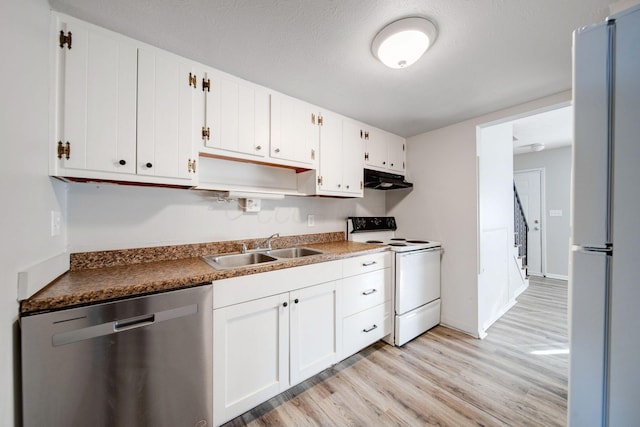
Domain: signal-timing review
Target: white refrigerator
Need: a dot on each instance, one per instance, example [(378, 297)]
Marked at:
[(604, 283)]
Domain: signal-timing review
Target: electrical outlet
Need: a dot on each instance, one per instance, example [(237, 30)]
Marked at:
[(311, 220), (252, 205), (56, 223)]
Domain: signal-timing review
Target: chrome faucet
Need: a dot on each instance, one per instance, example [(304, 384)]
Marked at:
[(267, 241)]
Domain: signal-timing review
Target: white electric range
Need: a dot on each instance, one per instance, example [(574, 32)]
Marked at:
[(415, 272)]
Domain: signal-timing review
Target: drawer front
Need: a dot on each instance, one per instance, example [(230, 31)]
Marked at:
[(365, 291), (365, 328), (366, 263)]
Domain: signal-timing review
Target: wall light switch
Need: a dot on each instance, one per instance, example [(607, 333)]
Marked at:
[(555, 212), (311, 220)]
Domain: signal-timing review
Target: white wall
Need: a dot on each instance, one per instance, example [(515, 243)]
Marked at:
[(28, 193), (557, 166), (495, 221), (443, 205), (103, 217)]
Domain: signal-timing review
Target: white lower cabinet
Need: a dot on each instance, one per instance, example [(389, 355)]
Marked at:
[(315, 335), (263, 346), (366, 294), (365, 328), (250, 353), (274, 330)]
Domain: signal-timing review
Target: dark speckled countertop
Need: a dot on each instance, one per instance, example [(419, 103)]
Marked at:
[(92, 284)]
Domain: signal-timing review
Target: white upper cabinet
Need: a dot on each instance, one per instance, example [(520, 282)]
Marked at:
[(352, 159), (95, 93), (167, 86), (237, 118), (384, 151), (340, 171), (294, 132), (124, 111)]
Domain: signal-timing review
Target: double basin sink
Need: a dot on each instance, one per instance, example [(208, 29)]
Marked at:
[(225, 262)]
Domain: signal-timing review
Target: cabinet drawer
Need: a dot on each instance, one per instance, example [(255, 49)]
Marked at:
[(366, 263), (366, 327), (366, 290)]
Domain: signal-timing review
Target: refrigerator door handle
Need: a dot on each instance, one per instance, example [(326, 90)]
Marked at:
[(607, 249)]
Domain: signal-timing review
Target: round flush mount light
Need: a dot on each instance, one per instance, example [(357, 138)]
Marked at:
[(403, 42)]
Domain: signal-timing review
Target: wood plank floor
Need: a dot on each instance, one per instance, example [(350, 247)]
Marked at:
[(444, 377)]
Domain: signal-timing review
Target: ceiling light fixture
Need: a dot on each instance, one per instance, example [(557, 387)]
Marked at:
[(403, 42)]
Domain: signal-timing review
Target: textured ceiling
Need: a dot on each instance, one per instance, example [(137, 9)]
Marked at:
[(490, 54)]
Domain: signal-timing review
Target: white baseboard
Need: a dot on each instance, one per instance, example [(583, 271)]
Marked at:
[(483, 333), (41, 274), (557, 276)]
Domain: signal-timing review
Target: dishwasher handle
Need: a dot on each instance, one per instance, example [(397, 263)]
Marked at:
[(134, 322)]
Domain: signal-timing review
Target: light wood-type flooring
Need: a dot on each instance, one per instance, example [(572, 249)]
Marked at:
[(444, 377)]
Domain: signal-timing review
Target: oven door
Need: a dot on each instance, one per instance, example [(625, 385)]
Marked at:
[(417, 279)]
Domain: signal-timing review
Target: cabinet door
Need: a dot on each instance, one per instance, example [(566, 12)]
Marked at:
[(375, 149), (166, 132), (331, 153), (250, 354), (352, 159), (96, 100), (314, 330), (237, 116), (396, 153), (294, 130)]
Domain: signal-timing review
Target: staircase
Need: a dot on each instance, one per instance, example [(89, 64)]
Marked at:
[(521, 229)]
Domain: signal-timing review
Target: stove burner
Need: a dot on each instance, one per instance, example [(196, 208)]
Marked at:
[(418, 241), (397, 244), (374, 241), (399, 238)]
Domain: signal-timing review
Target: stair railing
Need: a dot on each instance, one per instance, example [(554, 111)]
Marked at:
[(521, 228)]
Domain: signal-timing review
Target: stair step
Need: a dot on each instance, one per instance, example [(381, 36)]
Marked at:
[(521, 256), (524, 267), (518, 245)]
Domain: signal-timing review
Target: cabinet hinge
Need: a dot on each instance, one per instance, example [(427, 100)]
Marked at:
[(320, 181), (320, 120), (193, 80), (64, 150), (361, 134), (313, 119), (313, 154), (403, 166), (191, 166), (206, 133), (366, 135), (366, 156), (65, 39), (206, 84), (402, 147), (361, 185)]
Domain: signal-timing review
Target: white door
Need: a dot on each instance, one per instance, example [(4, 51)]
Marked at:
[(314, 330), (250, 354), (529, 186), (166, 134), (98, 88), (352, 158)]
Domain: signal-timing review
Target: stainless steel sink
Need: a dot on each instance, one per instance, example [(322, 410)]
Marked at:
[(223, 262), (293, 252)]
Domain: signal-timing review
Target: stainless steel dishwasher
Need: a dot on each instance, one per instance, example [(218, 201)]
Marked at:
[(144, 361)]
